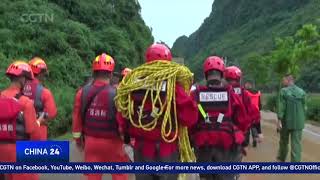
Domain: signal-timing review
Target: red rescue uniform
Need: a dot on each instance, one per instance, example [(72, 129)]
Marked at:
[(46, 103), (8, 150), (255, 97), (226, 131), (98, 126), (219, 132), (149, 144), (252, 110)]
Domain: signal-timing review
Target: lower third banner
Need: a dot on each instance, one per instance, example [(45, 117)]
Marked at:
[(42, 151), (176, 168)]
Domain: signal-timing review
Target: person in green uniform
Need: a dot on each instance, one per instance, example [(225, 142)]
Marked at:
[(291, 115)]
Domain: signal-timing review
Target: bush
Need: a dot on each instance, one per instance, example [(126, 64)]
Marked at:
[(64, 97), (270, 102), (313, 105), (77, 32), (313, 111)]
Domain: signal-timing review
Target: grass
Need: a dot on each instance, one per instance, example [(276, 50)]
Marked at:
[(313, 105)]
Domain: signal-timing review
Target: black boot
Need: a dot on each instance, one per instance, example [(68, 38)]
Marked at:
[(254, 143)]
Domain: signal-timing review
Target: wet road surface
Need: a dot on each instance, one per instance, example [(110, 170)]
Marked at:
[(265, 152)]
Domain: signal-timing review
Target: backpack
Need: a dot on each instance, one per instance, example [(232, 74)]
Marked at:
[(35, 95), (38, 105), (85, 103), (9, 113)]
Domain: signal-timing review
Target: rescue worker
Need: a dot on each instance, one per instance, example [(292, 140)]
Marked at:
[(233, 76), (17, 112), (150, 145), (218, 134), (42, 97), (94, 125), (255, 130), (291, 115)]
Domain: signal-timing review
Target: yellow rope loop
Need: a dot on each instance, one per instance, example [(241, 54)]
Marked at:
[(151, 77)]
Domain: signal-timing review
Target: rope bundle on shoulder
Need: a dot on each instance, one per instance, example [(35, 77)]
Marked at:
[(151, 78)]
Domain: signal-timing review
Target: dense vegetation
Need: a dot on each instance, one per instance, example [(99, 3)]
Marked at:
[(262, 37), (267, 39), (68, 34), (270, 102)]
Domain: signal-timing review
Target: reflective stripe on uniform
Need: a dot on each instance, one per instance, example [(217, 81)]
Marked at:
[(202, 111), (76, 134)]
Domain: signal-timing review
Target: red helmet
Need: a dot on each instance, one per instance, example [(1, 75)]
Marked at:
[(38, 65), (158, 52), (103, 62), (213, 63), (232, 72), (125, 71), (20, 68)]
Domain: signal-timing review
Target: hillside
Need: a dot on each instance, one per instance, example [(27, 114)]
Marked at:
[(68, 34), (235, 29)]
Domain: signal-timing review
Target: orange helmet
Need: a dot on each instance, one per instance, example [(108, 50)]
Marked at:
[(103, 62), (38, 65), (20, 68), (125, 71)]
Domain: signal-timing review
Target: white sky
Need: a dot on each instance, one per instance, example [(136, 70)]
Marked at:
[(170, 19)]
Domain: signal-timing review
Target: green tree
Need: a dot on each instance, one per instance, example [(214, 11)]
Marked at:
[(68, 34), (257, 68), (293, 52)]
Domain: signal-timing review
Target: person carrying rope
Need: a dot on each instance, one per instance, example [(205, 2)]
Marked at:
[(155, 108)]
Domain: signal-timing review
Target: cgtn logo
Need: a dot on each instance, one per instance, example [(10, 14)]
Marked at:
[(52, 151)]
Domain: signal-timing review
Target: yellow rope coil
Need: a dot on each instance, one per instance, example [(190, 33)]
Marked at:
[(151, 77)]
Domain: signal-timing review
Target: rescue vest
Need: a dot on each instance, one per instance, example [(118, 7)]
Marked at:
[(255, 98), (251, 107), (33, 90), (216, 127), (240, 91), (12, 124), (98, 111), (149, 113)]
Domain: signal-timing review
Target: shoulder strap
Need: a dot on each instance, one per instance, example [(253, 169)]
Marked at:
[(85, 104), (37, 100), (112, 107), (84, 94)]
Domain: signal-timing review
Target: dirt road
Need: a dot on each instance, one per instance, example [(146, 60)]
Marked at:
[(265, 152)]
